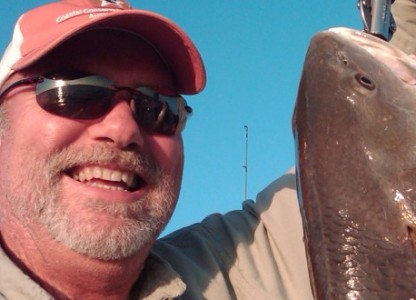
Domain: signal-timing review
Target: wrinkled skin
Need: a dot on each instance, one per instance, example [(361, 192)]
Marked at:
[(355, 132)]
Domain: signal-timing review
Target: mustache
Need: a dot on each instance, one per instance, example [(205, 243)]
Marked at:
[(70, 157)]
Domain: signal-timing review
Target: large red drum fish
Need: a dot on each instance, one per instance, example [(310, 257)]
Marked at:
[(355, 131)]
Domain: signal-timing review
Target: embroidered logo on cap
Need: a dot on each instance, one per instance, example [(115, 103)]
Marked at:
[(123, 4), (97, 8), (119, 3)]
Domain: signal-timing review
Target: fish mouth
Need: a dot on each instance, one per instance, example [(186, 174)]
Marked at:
[(111, 178)]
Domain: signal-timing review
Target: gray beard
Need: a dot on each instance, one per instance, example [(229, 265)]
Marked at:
[(36, 195)]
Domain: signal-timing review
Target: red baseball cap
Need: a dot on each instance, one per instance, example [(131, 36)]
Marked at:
[(40, 30)]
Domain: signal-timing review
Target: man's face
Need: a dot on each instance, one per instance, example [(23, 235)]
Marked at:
[(102, 187)]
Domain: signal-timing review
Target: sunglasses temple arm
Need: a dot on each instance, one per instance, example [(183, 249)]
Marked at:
[(24, 81)]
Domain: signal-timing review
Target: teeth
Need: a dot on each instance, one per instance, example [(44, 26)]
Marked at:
[(108, 187), (88, 173), (129, 180)]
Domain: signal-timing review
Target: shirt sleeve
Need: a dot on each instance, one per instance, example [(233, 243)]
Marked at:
[(253, 253), (404, 13)]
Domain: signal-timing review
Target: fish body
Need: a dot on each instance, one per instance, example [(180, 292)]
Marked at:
[(355, 133)]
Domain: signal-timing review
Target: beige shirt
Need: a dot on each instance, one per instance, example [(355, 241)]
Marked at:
[(404, 13), (253, 253)]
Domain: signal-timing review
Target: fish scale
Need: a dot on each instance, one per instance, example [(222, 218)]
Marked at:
[(355, 133)]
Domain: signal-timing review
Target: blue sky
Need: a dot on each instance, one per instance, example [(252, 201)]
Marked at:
[(253, 52)]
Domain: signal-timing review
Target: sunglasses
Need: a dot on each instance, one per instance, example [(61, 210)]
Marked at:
[(92, 97)]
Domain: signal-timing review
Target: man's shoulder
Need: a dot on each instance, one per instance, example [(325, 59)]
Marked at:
[(257, 250), (278, 199)]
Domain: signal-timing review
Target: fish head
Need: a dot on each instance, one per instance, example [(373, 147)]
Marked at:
[(355, 123), (355, 132)]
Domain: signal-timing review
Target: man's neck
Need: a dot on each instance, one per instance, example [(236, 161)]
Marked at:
[(66, 274)]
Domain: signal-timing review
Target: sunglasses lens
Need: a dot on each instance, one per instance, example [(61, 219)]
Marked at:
[(76, 101), (92, 97), (155, 113)]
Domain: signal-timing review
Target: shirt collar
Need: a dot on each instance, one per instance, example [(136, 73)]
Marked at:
[(14, 284), (158, 281)]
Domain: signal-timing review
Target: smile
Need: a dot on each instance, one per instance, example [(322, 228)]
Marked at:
[(107, 178)]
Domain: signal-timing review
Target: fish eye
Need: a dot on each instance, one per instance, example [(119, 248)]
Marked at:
[(365, 81)]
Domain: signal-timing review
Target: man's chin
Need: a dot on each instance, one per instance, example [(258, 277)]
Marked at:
[(107, 232), (113, 241)]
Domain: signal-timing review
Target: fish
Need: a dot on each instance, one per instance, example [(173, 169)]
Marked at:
[(354, 127)]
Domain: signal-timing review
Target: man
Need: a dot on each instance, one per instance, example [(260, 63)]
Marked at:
[(92, 157)]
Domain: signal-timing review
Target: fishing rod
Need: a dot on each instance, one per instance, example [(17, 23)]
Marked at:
[(377, 18), (246, 164)]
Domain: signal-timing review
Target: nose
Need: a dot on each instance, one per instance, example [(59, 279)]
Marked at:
[(117, 127)]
